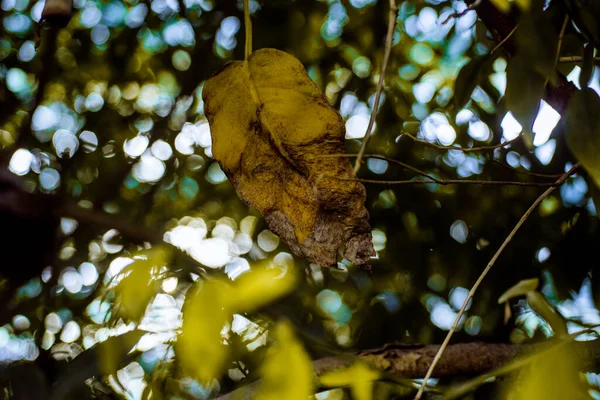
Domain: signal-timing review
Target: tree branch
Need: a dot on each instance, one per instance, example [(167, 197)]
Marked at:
[(461, 359)]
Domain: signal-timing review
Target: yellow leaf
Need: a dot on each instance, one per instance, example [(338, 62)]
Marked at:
[(139, 283), (271, 127), (260, 287), (200, 350), (287, 371), (554, 375), (359, 377), (502, 5)]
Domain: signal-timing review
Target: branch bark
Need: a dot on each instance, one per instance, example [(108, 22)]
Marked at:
[(461, 359)]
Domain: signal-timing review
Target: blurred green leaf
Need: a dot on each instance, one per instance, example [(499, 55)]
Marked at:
[(200, 351), (582, 126), (520, 289), (287, 370), (262, 286), (140, 283), (554, 375), (359, 377)]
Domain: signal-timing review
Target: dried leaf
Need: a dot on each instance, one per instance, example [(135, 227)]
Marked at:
[(270, 127)]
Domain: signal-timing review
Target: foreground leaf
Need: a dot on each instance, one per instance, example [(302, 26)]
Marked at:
[(287, 371), (271, 127), (359, 377), (260, 287), (552, 376), (582, 125), (200, 351)]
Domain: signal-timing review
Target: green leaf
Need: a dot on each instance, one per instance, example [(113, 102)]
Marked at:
[(538, 303), (586, 16), (359, 377), (520, 289), (287, 371), (537, 41), (582, 125), (552, 376), (587, 69), (260, 287), (139, 283), (200, 351), (467, 80), (524, 89)]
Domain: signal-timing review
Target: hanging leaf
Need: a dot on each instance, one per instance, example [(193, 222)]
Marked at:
[(359, 377), (520, 289), (582, 127), (271, 127), (587, 69), (524, 88), (287, 371), (468, 78), (200, 351)]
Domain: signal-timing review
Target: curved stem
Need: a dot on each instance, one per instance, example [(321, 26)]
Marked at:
[(487, 269), (248, 27), (386, 57)]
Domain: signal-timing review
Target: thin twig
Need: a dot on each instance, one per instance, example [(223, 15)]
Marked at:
[(444, 182), (472, 7), (528, 173), (574, 59), (248, 29), (391, 160), (386, 57), (529, 211), (468, 150), (505, 39)]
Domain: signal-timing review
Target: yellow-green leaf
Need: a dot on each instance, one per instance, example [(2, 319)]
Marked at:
[(287, 371), (502, 5), (261, 286), (271, 126), (554, 375), (520, 289), (110, 353), (139, 283), (359, 377), (200, 351), (582, 127)]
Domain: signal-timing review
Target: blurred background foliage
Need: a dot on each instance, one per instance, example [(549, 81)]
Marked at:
[(106, 115)]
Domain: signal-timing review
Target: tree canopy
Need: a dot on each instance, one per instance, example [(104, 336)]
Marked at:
[(175, 227)]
